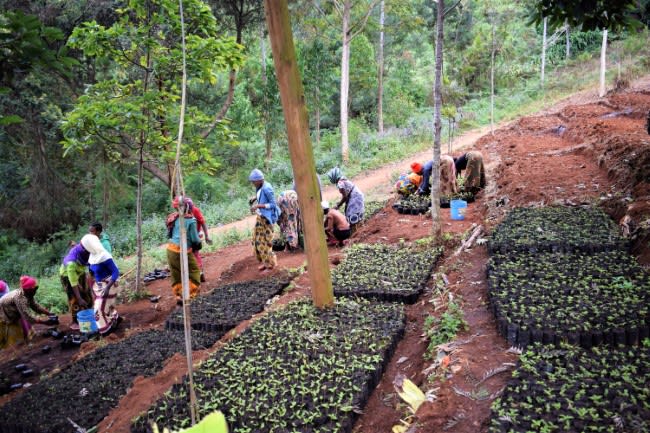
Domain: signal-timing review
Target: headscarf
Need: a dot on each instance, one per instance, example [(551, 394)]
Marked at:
[(28, 284), (334, 175), (93, 245), (189, 204), (256, 175), (4, 289), (416, 167)]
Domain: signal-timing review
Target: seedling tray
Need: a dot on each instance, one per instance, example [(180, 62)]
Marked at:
[(226, 306), (556, 229), (298, 369), (574, 390), (384, 272), (585, 299), (87, 390)]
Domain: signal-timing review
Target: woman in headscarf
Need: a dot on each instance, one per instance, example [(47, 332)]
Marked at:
[(408, 184), (106, 274), (351, 196), (74, 282), (174, 249), (15, 308), (4, 288), (472, 162), (268, 212), (289, 220)]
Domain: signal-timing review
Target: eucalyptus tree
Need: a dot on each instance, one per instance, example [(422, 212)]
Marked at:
[(353, 17), (132, 111), (236, 16), (590, 15)]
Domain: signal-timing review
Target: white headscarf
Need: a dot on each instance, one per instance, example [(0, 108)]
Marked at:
[(98, 253)]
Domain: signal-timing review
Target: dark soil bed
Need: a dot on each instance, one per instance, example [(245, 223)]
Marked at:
[(226, 306), (85, 391)]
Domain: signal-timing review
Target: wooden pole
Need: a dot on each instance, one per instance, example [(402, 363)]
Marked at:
[(302, 155), (182, 209)]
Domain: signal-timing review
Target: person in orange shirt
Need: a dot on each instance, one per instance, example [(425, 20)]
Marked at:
[(408, 184)]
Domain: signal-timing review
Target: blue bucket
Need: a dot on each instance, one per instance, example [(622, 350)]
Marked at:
[(458, 208), (87, 323)]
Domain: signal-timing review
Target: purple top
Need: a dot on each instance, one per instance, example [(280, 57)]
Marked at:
[(77, 254)]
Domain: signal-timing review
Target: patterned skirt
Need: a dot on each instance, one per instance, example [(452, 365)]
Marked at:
[(263, 242), (105, 313), (289, 220)]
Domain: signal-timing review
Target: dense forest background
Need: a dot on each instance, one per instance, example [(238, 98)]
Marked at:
[(89, 92)]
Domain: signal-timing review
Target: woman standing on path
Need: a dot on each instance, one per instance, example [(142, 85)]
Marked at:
[(106, 274), (174, 249), (268, 212)]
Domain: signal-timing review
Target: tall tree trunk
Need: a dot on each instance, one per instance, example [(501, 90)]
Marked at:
[(345, 80), (436, 226), (380, 72), (567, 35), (603, 64), (138, 219), (492, 78), (138, 199), (105, 190), (302, 155), (317, 114), (543, 51), (266, 115)]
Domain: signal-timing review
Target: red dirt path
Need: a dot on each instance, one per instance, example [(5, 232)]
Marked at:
[(577, 154)]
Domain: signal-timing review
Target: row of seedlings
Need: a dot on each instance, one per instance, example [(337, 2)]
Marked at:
[(297, 369), (556, 229), (570, 389), (98, 381), (418, 204), (558, 279), (561, 273), (372, 208), (585, 299), (385, 272)]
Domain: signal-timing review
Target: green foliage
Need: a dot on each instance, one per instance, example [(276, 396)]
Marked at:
[(588, 13), (115, 112), (444, 329)]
